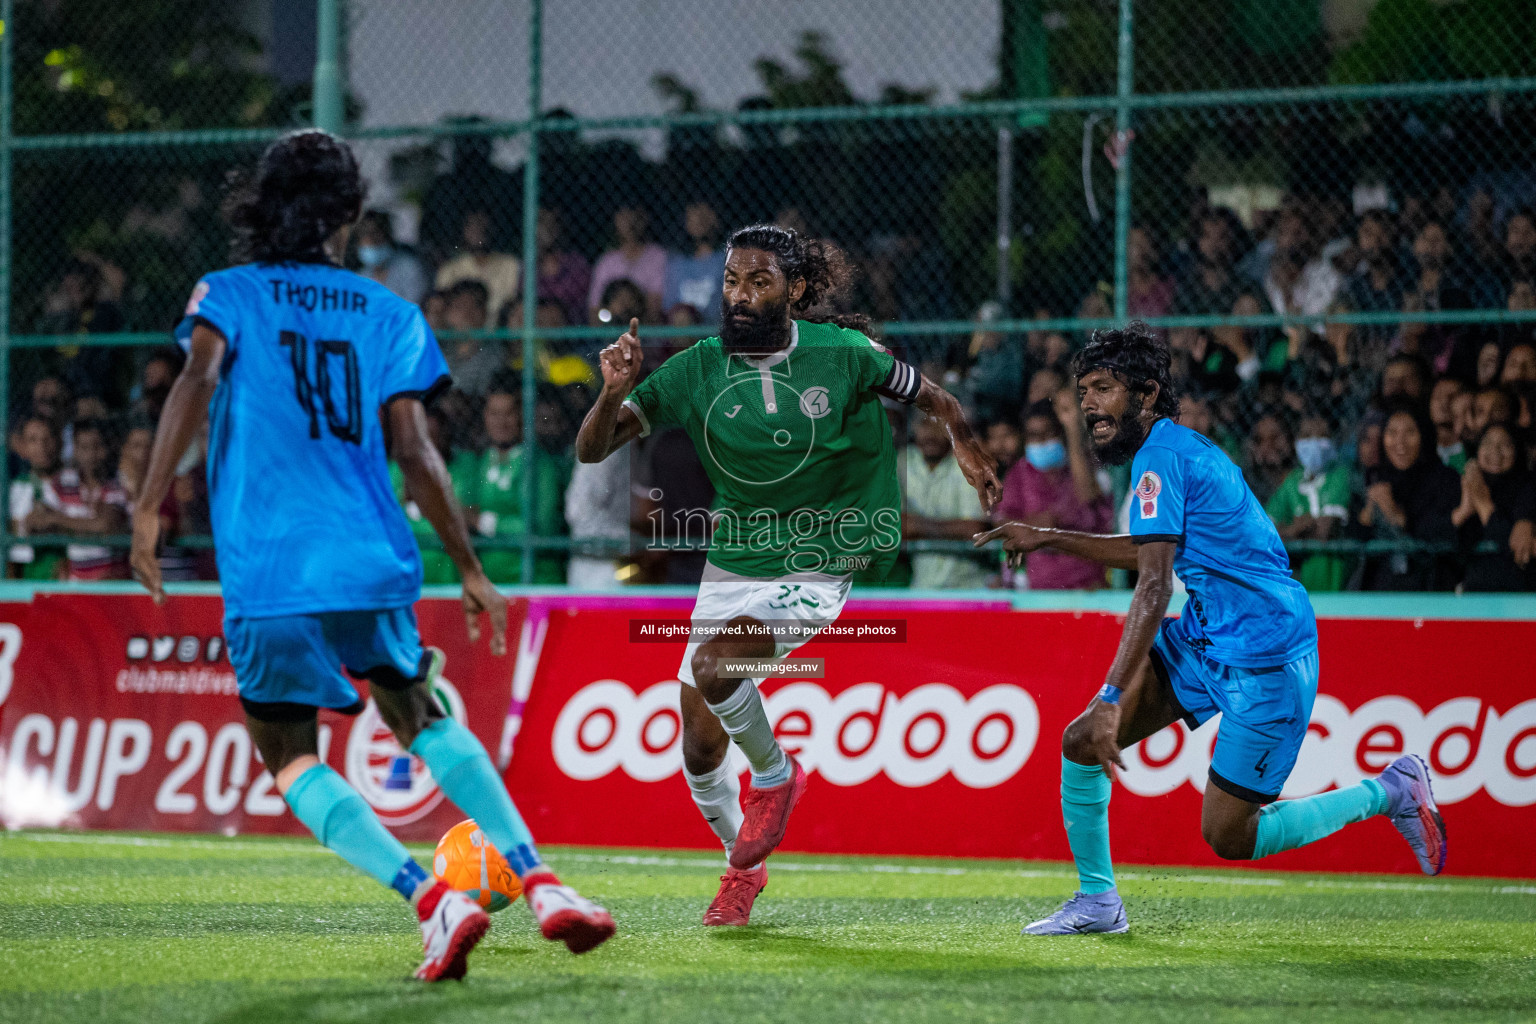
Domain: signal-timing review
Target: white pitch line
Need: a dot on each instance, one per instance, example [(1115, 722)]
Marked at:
[(102, 839), (656, 860)]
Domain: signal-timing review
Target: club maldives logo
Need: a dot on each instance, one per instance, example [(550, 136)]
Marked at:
[(395, 783)]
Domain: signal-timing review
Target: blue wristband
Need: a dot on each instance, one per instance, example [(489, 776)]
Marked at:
[(1110, 694)]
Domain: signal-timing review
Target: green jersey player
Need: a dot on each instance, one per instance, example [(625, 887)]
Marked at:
[(784, 410)]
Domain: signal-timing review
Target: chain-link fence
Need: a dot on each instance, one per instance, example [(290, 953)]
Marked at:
[(1323, 203)]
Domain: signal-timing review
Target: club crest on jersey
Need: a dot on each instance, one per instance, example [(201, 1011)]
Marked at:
[(816, 402), (1147, 489)]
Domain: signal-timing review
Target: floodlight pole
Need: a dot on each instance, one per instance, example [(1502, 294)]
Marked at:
[(7, 63), (1121, 145), (327, 104), (530, 482), (1005, 218)]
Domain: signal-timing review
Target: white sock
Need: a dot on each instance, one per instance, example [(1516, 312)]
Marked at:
[(718, 796), (745, 718)]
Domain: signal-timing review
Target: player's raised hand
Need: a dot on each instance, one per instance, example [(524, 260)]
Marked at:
[(481, 596), (1019, 539), (143, 559), (980, 470), (621, 362)]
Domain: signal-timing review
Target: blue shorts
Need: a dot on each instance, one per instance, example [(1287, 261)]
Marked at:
[(1264, 713), (297, 659)]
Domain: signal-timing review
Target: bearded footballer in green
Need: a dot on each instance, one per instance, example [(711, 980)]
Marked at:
[(784, 410)]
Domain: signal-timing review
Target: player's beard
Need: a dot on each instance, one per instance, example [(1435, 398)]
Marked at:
[(1129, 434), (766, 332)]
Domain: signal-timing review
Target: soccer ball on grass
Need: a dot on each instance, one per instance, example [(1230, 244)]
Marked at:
[(468, 861)]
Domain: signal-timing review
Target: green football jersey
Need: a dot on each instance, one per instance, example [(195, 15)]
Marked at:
[(436, 567), (492, 485), (797, 445), (1327, 494)]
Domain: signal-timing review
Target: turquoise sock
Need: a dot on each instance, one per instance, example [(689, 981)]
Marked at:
[(463, 771), (1085, 812), (342, 822), (1287, 824)]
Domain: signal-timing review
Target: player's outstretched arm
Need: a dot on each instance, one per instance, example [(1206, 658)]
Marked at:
[(429, 486), (1154, 588), (1117, 550), (186, 407), (609, 426), (978, 465)]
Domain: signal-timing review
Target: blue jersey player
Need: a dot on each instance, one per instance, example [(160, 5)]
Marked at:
[(1245, 646), (313, 378)]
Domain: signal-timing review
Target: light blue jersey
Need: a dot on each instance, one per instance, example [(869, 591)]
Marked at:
[(1245, 610), (304, 517)]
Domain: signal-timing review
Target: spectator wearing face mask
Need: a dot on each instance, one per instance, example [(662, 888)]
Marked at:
[(1312, 503), (1055, 485), (381, 259), (1498, 504)]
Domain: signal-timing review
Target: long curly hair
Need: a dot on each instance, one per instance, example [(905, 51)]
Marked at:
[(825, 269), (306, 186), (1136, 356)]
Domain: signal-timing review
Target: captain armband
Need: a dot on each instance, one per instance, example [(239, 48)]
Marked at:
[(902, 384)]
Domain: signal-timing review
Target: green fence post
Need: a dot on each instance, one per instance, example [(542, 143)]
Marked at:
[(530, 287), (7, 33), (328, 109), (1123, 90)]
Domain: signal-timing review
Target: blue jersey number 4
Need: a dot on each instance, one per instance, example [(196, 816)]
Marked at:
[(316, 395)]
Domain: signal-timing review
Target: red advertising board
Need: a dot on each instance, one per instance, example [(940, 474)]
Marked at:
[(117, 714), (949, 744)]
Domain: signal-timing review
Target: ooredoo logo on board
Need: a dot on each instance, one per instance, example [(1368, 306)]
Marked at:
[(914, 739), (1469, 745)]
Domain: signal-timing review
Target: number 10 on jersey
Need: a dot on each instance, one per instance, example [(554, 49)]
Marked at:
[(316, 395)]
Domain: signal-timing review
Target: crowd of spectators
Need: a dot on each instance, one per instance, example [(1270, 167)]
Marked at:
[(1418, 437)]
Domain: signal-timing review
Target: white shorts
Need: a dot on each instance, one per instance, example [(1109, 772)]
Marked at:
[(810, 603)]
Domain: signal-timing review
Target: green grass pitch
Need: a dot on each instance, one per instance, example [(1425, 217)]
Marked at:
[(167, 929)]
